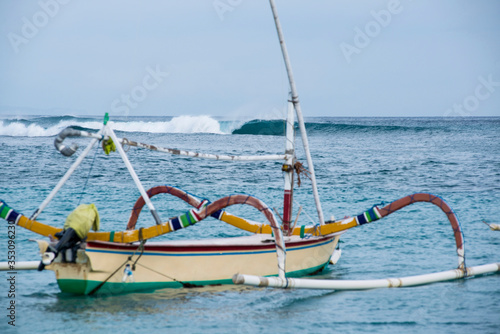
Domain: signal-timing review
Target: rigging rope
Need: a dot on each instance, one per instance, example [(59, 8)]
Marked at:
[(88, 176), (141, 247), (299, 168), (184, 284), (97, 288)]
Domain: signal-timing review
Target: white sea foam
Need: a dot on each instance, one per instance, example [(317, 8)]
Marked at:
[(180, 124), (19, 129)]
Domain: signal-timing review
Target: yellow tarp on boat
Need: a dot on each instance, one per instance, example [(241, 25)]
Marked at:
[(82, 219)]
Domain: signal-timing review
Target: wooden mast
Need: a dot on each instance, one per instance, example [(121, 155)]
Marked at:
[(300, 118), (288, 170)]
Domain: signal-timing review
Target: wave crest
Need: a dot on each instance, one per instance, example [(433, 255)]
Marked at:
[(277, 127), (51, 126)]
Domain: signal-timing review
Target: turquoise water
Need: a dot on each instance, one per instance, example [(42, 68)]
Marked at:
[(359, 162)]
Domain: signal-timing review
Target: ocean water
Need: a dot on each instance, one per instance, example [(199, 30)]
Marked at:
[(359, 162)]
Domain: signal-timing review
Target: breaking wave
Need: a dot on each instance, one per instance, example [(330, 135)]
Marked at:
[(51, 126)]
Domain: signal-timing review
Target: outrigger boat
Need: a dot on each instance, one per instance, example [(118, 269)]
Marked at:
[(277, 254)]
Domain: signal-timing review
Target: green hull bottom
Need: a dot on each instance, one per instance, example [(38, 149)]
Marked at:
[(85, 287)]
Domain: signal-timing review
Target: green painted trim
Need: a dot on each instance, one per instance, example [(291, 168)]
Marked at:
[(112, 236), (368, 216), (184, 220), (192, 217), (84, 287), (305, 272), (5, 210)]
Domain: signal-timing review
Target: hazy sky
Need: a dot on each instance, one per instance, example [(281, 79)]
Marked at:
[(222, 57)]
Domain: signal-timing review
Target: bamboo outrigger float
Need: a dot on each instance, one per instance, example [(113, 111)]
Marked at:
[(275, 255)]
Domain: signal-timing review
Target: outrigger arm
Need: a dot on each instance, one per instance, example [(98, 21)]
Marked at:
[(104, 133), (222, 157), (134, 176), (67, 151)]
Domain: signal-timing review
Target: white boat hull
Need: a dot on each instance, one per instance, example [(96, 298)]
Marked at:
[(100, 267)]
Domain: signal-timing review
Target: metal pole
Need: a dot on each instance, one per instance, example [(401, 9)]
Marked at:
[(134, 175), (65, 177), (296, 103)]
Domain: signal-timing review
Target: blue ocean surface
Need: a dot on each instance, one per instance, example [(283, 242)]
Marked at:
[(360, 162)]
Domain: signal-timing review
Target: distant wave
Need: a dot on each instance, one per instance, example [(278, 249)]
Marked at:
[(52, 125), (262, 127), (277, 128), (46, 126)]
